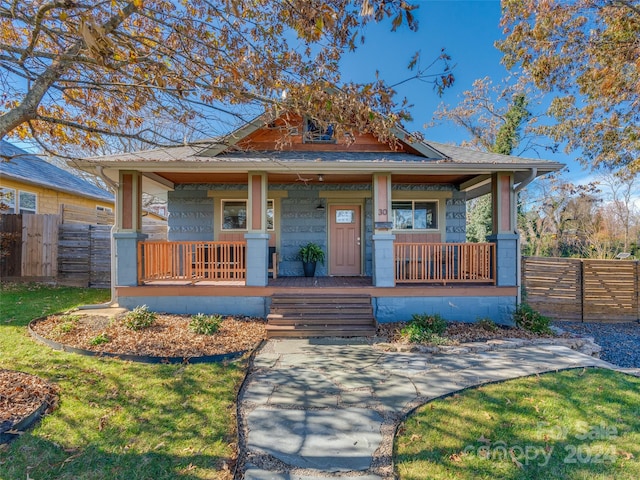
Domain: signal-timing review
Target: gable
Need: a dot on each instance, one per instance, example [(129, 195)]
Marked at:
[(287, 133)]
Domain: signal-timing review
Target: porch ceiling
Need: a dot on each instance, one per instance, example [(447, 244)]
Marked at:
[(222, 178)]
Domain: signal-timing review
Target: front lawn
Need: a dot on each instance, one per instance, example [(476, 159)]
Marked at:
[(576, 424), (115, 420)]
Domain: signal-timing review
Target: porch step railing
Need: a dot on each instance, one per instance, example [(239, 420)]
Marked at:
[(445, 263), (193, 261)]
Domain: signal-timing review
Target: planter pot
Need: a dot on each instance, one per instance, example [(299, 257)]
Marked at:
[(309, 268)]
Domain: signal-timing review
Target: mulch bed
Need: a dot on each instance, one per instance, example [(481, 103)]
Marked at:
[(169, 336), (21, 394), (460, 332)]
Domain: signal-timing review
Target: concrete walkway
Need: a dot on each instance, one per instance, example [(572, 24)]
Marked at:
[(317, 409)]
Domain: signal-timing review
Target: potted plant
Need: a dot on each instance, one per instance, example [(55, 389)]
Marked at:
[(310, 254)]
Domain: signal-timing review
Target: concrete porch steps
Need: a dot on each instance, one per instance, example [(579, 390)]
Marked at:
[(349, 315)]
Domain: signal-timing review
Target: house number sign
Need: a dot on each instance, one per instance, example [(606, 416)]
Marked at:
[(344, 216)]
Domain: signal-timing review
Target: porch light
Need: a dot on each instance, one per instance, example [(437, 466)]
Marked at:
[(321, 179), (320, 207)]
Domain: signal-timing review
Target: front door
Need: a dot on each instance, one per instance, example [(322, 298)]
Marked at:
[(344, 240)]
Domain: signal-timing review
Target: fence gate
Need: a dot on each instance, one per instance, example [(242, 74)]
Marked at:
[(610, 290), (40, 246)]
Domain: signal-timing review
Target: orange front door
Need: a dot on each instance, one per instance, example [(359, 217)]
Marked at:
[(344, 240)]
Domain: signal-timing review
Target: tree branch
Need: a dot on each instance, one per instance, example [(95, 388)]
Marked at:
[(28, 107)]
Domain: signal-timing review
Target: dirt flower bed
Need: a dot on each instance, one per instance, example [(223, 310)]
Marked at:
[(460, 332), (22, 394), (169, 336)]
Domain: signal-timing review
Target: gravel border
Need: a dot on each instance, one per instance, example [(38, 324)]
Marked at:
[(620, 342)]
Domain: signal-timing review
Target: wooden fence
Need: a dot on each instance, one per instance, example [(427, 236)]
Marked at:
[(84, 255), (73, 247), (29, 246), (39, 248), (77, 214), (583, 290)]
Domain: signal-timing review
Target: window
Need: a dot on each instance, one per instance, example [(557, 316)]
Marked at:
[(234, 215), (27, 202), (415, 215), (313, 133), (7, 200)]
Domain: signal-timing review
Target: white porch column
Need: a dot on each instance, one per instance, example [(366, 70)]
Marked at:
[(128, 230), (504, 233), (383, 256), (257, 237)]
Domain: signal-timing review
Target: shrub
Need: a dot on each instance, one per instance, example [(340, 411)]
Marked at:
[(531, 320), (487, 324), (139, 318), (424, 328), (100, 339), (205, 324), (69, 322)]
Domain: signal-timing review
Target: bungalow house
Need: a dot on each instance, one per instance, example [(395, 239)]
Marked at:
[(391, 220)]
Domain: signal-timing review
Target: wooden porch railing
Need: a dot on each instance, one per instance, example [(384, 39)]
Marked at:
[(445, 263), (191, 261)]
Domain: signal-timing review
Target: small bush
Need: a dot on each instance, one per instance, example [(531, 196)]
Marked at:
[(69, 322), (205, 324), (531, 320), (487, 324), (100, 339), (139, 318), (424, 328)]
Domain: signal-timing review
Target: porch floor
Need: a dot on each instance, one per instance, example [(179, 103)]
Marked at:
[(310, 285)]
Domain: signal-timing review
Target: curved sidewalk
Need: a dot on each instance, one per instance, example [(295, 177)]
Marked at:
[(316, 409)]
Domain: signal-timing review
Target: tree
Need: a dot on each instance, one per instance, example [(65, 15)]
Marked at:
[(494, 126), (479, 223), (554, 217), (486, 108), (81, 74), (625, 215), (586, 53)]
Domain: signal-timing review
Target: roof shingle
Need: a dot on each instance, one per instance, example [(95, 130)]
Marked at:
[(33, 169)]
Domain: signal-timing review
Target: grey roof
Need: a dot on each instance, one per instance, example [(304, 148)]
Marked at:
[(333, 156), (476, 156), (34, 170), (198, 153)]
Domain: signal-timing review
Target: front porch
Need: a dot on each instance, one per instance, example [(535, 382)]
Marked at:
[(460, 281)]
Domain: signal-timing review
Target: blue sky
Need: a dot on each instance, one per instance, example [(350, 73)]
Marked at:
[(468, 30)]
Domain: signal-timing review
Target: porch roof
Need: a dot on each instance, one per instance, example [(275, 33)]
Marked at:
[(191, 157)]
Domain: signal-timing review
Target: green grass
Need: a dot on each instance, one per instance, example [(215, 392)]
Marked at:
[(116, 420), (577, 424)]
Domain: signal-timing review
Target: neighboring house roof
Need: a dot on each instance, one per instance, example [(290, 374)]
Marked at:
[(33, 170)]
